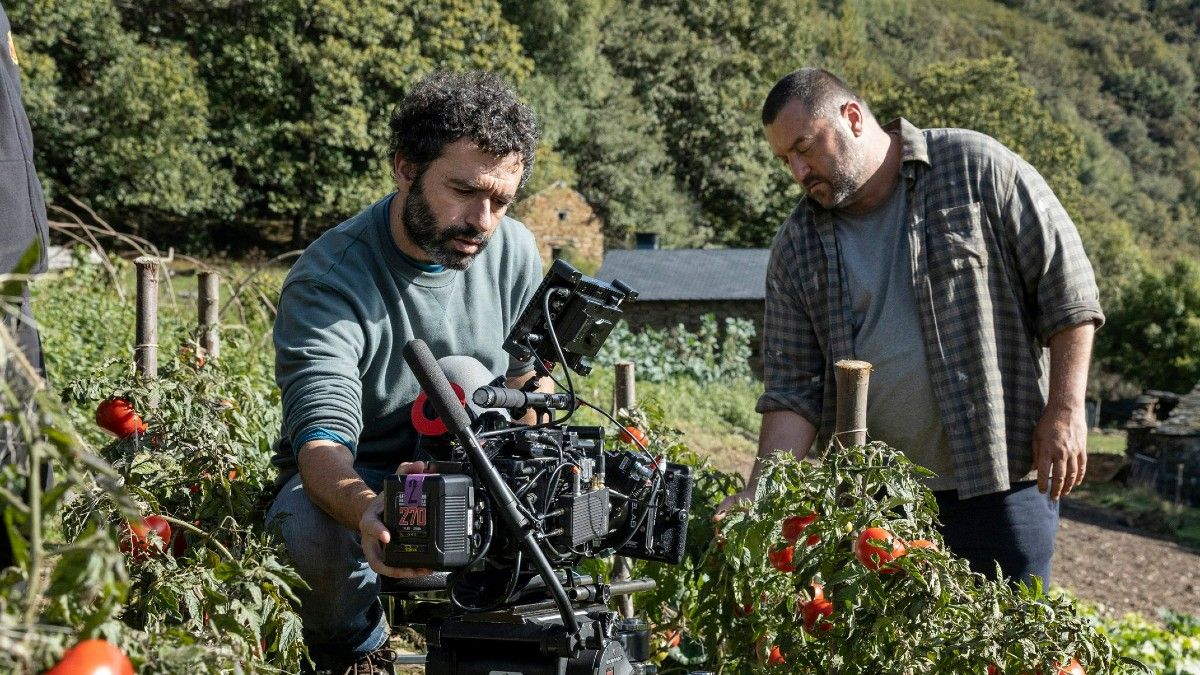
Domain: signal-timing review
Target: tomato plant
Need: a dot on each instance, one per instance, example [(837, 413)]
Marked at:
[(775, 657), (93, 657), (117, 416)]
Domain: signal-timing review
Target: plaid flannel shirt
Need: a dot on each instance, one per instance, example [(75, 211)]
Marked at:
[(997, 268)]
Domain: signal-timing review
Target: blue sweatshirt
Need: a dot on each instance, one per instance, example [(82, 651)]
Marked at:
[(349, 306)]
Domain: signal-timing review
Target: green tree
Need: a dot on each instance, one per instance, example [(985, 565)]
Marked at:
[(989, 96), (121, 123), (599, 136), (1153, 335), (305, 88), (702, 69)]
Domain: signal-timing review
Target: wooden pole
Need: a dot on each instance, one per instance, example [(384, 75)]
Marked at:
[(210, 329), (145, 349), (625, 396), (853, 379), (624, 388)]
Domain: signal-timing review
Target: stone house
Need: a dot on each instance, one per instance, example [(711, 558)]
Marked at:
[(679, 286), (1166, 452), (565, 226)]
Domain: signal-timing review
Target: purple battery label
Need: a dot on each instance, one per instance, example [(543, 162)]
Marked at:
[(413, 496)]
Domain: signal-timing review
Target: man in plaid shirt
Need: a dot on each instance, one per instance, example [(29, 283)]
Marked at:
[(945, 260)]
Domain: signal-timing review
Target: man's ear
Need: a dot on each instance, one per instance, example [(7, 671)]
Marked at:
[(403, 170), (853, 113)]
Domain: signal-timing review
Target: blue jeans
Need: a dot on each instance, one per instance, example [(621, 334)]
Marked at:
[(341, 613), (1015, 528)]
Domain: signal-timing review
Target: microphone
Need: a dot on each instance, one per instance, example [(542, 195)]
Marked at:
[(489, 396)]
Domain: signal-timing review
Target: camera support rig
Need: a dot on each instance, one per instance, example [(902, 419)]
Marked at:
[(575, 633)]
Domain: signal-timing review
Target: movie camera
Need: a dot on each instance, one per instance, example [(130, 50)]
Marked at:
[(512, 508)]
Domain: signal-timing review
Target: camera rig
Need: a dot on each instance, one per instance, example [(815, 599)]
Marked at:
[(513, 508)]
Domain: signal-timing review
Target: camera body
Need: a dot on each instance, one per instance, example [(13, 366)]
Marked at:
[(509, 509), (587, 501)]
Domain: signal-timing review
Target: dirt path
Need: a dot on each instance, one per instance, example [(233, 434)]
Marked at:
[(1124, 569)]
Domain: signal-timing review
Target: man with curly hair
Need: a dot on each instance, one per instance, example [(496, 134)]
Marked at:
[(438, 260)]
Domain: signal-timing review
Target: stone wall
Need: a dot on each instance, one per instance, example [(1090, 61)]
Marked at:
[(560, 218)]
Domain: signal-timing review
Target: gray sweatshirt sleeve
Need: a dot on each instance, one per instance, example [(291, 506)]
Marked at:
[(318, 345)]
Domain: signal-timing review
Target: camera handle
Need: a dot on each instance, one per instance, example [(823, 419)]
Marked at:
[(445, 402)]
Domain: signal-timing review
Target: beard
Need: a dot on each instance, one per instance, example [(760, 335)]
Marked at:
[(422, 228), (848, 173)]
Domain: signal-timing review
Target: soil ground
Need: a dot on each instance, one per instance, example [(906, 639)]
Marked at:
[(1124, 569)]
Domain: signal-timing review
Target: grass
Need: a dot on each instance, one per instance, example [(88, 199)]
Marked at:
[(716, 420), (1107, 443)]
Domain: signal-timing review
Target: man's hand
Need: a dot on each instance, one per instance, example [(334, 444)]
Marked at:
[(375, 534), (1060, 450), (1060, 437), (746, 496)]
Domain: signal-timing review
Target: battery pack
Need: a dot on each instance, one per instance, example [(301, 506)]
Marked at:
[(429, 517)]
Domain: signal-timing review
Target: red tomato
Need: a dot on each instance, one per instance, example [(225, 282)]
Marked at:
[(631, 433), (795, 525), (135, 537), (922, 543), (815, 611), (116, 416), (673, 639), (776, 656), (1072, 668), (93, 657), (993, 669), (179, 545), (743, 610), (782, 559), (876, 547)]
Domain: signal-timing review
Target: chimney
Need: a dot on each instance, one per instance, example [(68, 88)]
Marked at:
[(646, 241)]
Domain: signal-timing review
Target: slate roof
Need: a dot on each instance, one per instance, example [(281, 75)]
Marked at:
[(1185, 418), (690, 274)]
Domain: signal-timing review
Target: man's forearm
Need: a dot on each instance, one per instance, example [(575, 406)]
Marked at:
[(781, 430), (1070, 355), (327, 469)]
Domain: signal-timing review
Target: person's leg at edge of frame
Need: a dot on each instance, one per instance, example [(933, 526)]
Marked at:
[(341, 614), (1015, 528)]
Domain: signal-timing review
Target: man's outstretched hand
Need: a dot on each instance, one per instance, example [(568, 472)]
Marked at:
[(375, 534), (745, 496)]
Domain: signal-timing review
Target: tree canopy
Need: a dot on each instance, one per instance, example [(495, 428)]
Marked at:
[(194, 117)]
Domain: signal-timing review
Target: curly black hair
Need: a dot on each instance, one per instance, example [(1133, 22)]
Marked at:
[(446, 106)]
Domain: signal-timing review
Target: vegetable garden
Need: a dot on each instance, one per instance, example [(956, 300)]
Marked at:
[(152, 538)]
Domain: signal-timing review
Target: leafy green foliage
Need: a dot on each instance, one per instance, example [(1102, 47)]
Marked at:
[(119, 121), (931, 614), (1170, 649), (714, 353), (220, 596), (1160, 315)]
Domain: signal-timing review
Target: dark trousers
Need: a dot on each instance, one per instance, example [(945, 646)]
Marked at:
[(1015, 528)]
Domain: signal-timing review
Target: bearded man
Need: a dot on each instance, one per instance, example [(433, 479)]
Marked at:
[(944, 259), (436, 260)]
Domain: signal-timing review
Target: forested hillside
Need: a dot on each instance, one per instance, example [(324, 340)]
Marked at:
[(205, 120)]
